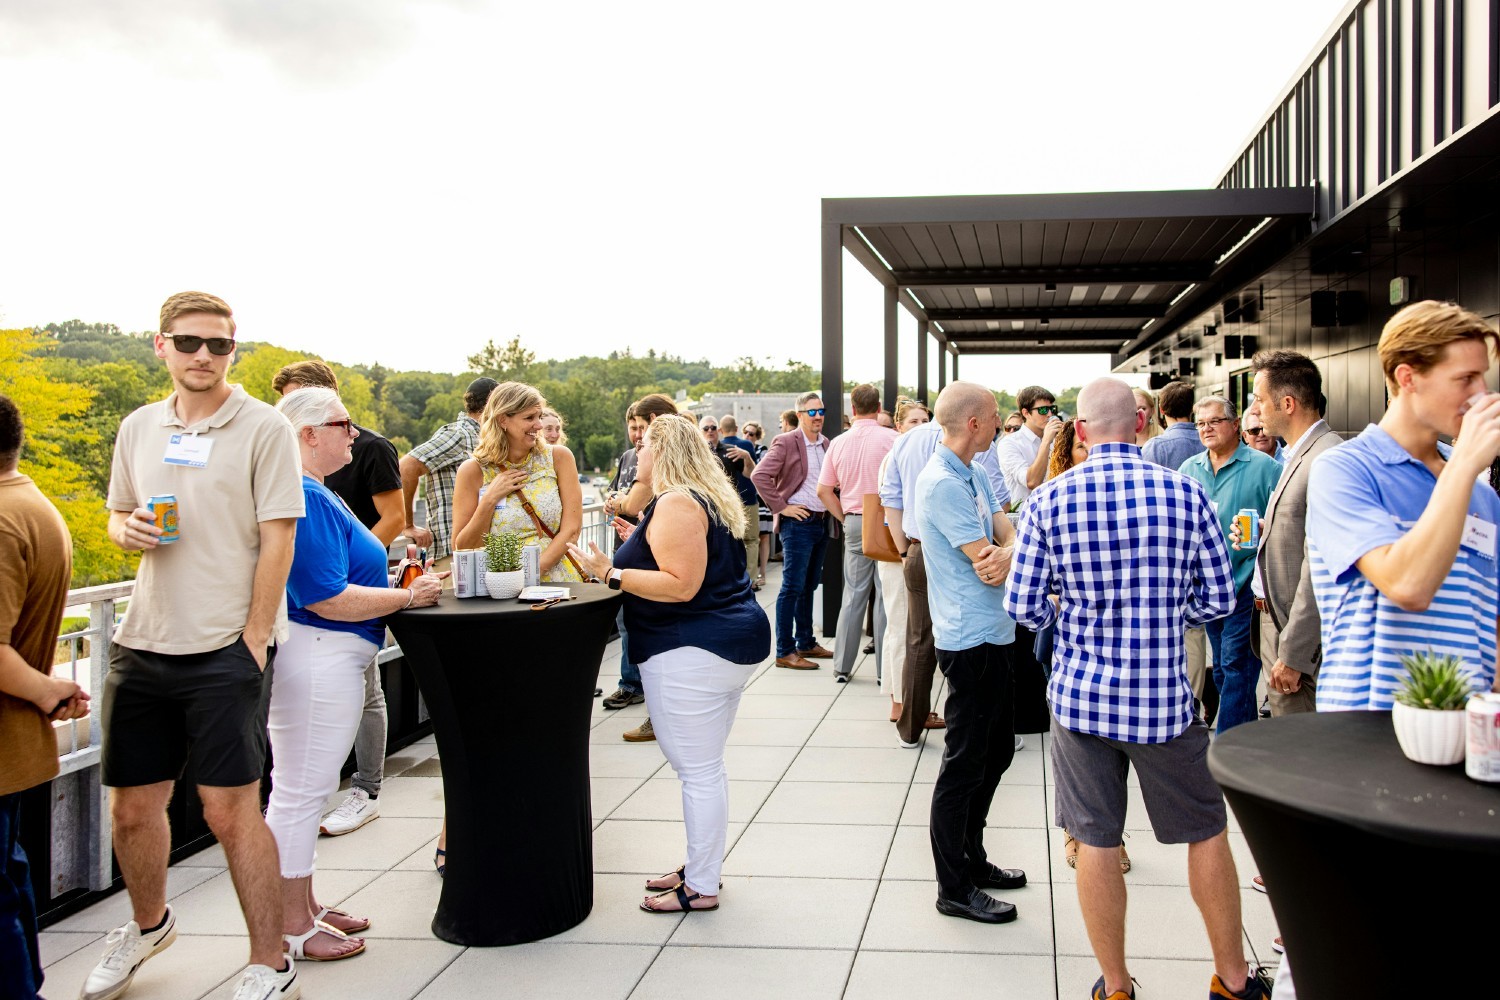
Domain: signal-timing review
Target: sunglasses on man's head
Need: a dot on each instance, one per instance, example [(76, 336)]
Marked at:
[(188, 344), (815, 412)]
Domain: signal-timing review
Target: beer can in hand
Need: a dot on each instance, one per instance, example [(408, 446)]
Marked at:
[(1249, 522), (165, 509), (1482, 760)]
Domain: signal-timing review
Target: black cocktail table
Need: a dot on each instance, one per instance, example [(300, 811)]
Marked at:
[(510, 691), (1382, 872)]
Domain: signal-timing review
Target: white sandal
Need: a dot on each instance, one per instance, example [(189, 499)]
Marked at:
[(325, 911), (296, 944)]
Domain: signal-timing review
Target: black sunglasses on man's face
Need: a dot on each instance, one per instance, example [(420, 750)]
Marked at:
[(188, 344)]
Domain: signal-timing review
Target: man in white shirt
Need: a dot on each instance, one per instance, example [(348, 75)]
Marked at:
[(1023, 454)]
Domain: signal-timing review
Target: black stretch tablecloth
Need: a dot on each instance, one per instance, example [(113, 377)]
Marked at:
[(1381, 871), (510, 691)]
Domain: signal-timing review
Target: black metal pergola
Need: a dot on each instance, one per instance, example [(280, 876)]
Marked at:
[(1047, 273)]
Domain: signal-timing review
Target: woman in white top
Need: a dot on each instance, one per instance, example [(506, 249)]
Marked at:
[(909, 414)]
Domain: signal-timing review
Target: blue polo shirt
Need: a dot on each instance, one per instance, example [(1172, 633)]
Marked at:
[(1366, 494), (333, 550), (1247, 480), (950, 498)]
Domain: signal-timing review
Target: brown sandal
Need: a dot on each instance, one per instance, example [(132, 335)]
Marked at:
[(685, 900), (1070, 853)]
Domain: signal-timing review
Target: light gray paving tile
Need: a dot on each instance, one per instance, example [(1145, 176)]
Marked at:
[(114, 911), (608, 728), (608, 793), (810, 851), (1013, 805), (543, 970), (905, 918), (853, 764), (768, 912), (379, 844), (784, 706), (1160, 922), (746, 974), (410, 797), (862, 709), (617, 917), (400, 904), (862, 803), (625, 760), (901, 975), (192, 966), (55, 946), (661, 799), (780, 680), (650, 848), (420, 860), (876, 732), (746, 763), (214, 906), (391, 970), (404, 759), (771, 732), (911, 853)]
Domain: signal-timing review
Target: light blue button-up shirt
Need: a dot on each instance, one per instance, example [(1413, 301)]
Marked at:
[(909, 457), (1247, 480), (951, 497), (1173, 446)]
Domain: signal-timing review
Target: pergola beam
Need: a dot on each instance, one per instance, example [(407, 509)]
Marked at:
[(1125, 310), (1160, 274)]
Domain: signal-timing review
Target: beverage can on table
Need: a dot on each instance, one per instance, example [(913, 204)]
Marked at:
[(1482, 762), (165, 509), (1249, 521), (531, 565), (467, 572)]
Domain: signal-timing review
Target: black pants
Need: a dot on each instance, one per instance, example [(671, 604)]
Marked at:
[(981, 741)]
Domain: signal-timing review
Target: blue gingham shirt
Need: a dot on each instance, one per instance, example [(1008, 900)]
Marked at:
[(1137, 555)]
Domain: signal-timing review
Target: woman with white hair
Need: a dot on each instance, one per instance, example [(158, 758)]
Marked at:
[(337, 595), (696, 632)]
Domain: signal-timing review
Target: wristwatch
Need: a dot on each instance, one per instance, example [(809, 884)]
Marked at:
[(615, 576)]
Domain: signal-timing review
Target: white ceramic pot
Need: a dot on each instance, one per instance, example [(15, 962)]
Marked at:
[(504, 585), (1429, 737)]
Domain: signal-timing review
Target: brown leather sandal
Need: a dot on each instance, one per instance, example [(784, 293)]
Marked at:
[(1070, 849)]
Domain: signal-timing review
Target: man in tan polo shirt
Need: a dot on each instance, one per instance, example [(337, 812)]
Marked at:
[(190, 667)]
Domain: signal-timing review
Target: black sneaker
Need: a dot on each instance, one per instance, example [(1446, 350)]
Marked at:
[(1257, 987), (1098, 992), (622, 698)]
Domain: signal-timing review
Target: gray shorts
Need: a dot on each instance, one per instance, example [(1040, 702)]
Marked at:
[(1182, 799)]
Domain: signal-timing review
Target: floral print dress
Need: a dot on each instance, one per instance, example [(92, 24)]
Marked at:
[(541, 489)]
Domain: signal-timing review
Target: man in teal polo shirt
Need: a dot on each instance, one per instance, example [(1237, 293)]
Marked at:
[(1236, 477), (967, 543)]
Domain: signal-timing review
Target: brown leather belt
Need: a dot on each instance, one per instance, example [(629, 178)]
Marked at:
[(1261, 605)]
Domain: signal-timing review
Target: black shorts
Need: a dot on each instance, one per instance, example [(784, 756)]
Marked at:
[(1182, 799), (203, 710)]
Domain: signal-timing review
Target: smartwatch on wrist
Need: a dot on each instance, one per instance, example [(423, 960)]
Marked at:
[(615, 576)]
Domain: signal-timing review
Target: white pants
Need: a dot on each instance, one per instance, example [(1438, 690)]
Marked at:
[(317, 698), (692, 696), (893, 651)]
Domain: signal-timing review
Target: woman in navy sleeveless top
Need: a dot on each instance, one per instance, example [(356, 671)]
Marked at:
[(697, 634)]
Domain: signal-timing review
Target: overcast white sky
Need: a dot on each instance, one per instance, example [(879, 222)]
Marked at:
[(399, 181)]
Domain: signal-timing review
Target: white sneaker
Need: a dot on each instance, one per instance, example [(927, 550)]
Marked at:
[(1020, 743), (905, 745), (353, 813), (261, 982), (126, 950)]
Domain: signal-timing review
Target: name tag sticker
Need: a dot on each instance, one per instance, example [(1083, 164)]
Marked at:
[(1479, 535), (190, 450)]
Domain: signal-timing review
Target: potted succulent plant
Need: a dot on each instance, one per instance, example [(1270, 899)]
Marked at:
[(1429, 711), (502, 562)]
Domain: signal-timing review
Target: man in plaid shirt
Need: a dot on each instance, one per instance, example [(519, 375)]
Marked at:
[(438, 458), (1121, 554)]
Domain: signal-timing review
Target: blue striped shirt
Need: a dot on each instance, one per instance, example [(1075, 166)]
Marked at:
[(1364, 495), (1136, 554)]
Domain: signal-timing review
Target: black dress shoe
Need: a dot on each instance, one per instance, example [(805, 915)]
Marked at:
[(1000, 878), (979, 906)]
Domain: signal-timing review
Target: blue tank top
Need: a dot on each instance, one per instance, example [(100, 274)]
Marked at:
[(723, 617)]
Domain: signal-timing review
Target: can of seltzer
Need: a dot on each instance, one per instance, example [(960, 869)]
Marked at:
[(1249, 522), (1482, 762), (531, 565), (465, 565), (165, 509)]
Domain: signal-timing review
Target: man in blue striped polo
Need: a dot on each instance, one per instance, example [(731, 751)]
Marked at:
[(1402, 529)]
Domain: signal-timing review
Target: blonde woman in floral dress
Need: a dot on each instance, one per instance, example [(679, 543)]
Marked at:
[(514, 463)]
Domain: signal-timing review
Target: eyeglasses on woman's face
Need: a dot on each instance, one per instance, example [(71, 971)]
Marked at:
[(347, 425)]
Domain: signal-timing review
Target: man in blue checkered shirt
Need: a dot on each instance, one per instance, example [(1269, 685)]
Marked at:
[(1121, 555)]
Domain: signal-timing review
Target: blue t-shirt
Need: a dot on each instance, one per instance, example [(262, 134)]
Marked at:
[(1366, 494), (333, 551), (955, 505)]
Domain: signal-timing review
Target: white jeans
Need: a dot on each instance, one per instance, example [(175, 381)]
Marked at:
[(893, 652), (692, 696), (317, 698)]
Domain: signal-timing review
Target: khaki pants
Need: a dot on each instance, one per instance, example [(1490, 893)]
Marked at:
[(1196, 641), (751, 537), (1305, 698)]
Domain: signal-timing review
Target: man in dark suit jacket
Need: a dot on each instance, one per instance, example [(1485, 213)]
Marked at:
[(1289, 398), (787, 479)]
